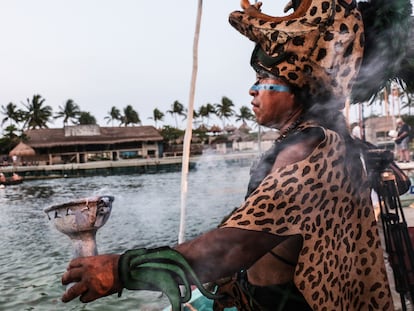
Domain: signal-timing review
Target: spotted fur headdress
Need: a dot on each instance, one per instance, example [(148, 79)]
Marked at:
[(320, 46)]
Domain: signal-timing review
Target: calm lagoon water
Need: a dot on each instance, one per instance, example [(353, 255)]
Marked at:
[(146, 212)]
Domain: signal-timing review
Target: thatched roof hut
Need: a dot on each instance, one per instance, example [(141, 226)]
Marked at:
[(22, 150)]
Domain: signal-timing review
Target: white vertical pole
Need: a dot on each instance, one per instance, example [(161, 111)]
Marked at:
[(189, 129)]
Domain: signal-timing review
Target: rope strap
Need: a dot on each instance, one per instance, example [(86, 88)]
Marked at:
[(160, 269)]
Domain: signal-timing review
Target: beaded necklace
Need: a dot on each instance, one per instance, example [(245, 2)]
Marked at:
[(289, 129)]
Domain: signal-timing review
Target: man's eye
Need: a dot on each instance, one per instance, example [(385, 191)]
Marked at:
[(260, 79)]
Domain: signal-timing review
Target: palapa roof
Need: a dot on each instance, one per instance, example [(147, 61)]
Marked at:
[(244, 127), (239, 135), (215, 129), (230, 128), (76, 135), (270, 135), (22, 150)]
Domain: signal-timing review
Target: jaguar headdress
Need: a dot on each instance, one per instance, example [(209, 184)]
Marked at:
[(320, 46)]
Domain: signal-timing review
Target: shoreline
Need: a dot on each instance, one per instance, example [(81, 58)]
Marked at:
[(132, 166), (139, 166)]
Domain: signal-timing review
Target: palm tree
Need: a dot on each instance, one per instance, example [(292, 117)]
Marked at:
[(37, 115), (245, 115), (177, 109), (69, 112), (157, 115), (130, 116), (224, 110), (205, 111), (113, 114), (196, 115), (11, 113), (10, 132), (11, 137), (85, 118)]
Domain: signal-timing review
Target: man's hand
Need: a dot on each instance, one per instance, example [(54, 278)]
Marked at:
[(95, 277)]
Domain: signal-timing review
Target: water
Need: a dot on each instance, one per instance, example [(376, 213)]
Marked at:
[(146, 212)]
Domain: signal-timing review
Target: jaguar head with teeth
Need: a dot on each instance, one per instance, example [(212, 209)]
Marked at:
[(318, 47)]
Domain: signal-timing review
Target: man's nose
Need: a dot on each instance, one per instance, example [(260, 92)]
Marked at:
[(253, 92)]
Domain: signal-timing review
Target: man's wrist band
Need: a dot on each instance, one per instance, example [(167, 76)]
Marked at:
[(160, 269)]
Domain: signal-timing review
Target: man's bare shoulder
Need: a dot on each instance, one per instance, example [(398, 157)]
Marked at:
[(300, 147)]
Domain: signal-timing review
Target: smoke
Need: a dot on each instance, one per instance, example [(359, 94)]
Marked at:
[(387, 28)]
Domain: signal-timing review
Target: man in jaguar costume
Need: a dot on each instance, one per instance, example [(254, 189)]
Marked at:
[(306, 237)]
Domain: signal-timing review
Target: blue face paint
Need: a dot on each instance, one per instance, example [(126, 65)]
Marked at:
[(270, 87)]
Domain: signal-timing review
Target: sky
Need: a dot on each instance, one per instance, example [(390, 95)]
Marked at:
[(104, 53)]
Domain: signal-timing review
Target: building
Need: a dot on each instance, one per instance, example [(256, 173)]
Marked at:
[(85, 143), (377, 131)]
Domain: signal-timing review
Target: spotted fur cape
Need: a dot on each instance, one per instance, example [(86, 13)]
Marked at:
[(341, 265)]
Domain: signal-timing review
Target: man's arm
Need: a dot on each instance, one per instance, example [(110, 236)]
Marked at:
[(215, 254), (224, 251)]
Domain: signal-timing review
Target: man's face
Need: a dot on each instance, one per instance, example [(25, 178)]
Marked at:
[(272, 102)]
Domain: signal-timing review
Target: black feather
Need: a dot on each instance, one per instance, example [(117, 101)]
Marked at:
[(389, 47)]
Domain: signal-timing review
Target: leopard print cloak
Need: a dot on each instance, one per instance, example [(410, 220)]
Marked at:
[(341, 264)]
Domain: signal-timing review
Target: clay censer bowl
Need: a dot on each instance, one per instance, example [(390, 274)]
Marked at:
[(80, 220)]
